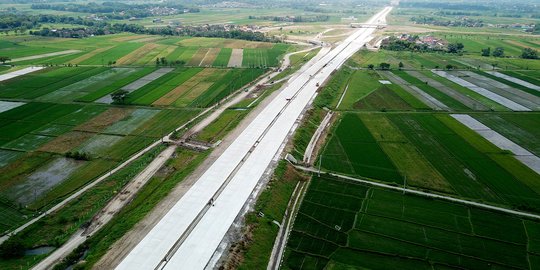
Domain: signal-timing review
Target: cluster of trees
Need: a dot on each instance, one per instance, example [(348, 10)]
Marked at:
[(316, 18), (78, 155), (461, 22), (22, 22), (497, 52), (115, 10), (526, 53), (529, 53), (396, 44), (4, 59), (221, 31), (456, 47), (162, 61)]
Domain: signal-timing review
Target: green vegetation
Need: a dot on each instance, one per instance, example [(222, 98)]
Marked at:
[(227, 121), (255, 251), (350, 225), (341, 154)]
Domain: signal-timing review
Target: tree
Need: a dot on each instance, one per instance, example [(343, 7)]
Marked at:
[(498, 52), (529, 53), (449, 67), (455, 47), (384, 66), (119, 96), (400, 65), (12, 248), (486, 52), (370, 66), (4, 59)]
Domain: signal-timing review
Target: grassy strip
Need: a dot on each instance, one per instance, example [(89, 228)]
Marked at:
[(226, 122), (305, 131), (56, 228)]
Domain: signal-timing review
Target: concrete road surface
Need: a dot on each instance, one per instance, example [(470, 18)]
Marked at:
[(190, 232)]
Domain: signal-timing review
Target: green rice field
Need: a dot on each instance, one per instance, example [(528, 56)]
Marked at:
[(347, 225)]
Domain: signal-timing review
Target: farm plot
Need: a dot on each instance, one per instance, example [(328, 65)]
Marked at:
[(116, 85), (17, 73), (195, 76), (27, 118), (474, 168), (521, 129), (413, 165), (480, 102), (141, 55), (8, 105), (199, 85), (139, 83), (88, 55), (435, 93), (520, 97), (42, 180), (164, 122), (514, 80), (154, 90), (233, 80), (210, 57), (87, 86), (383, 99), (263, 57), (525, 75), (113, 54), (131, 122), (222, 59), (446, 94), (222, 43), (40, 83), (350, 225), (482, 91), (353, 150), (236, 59), (521, 154), (416, 92), (198, 57)]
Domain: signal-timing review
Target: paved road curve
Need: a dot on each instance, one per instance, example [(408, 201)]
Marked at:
[(190, 232)]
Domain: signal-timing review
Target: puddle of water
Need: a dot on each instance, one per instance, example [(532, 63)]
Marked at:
[(39, 251), (43, 180)]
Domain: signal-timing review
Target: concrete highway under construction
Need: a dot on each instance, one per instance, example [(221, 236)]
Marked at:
[(189, 234)]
